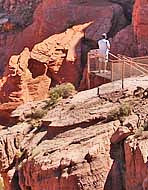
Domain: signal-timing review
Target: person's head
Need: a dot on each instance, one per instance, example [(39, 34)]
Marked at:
[(104, 36)]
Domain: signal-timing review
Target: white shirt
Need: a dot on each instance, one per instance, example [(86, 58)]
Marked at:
[(104, 46)]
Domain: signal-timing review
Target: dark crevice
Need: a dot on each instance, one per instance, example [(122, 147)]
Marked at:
[(12, 165), (36, 68), (28, 188), (15, 143), (54, 131), (118, 23), (55, 80), (15, 181), (116, 176), (6, 149), (86, 46), (88, 158), (127, 8)]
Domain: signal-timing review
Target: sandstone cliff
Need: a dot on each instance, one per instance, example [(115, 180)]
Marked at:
[(67, 56), (79, 143), (26, 23), (60, 57), (68, 146), (135, 36), (140, 24)]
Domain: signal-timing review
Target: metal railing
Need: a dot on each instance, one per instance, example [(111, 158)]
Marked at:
[(119, 67)]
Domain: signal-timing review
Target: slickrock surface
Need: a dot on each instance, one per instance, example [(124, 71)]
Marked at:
[(64, 53), (69, 146), (71, 160)]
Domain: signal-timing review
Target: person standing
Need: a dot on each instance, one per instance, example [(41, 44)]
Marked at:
[(104, 47)]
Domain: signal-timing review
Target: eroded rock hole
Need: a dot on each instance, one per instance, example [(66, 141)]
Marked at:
[(36, 68)]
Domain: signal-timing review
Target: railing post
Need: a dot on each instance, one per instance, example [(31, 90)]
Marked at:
[(123, 70), (88, 71), (112, 67)]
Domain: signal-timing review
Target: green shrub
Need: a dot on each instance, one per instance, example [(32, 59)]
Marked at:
[(125, 110), (61, 91), (122, 111)]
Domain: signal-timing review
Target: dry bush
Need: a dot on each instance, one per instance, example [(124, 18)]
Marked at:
[(122, 111), (125, 110), (38, 113), (61, 91)]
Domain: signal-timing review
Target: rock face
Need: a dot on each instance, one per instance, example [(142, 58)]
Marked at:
[(18, 83), (59, 154), (140, 24), (135, 35), (69, 146), (124, 42), (26, 23), (136, 164), (59, 56), (127, 7), (75, 171), (29, 75)]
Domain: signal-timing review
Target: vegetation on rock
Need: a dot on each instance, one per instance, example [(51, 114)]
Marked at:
[(122, 111), (61, 91)]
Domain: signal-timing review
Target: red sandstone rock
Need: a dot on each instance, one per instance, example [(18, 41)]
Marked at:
[(71, 164), (84, 152), (48, 17), (72, 148), (5, 112), (133, 39), (140, 24), (121, 134), (19, 84), (136, 163), (62, 54), (124, 42)]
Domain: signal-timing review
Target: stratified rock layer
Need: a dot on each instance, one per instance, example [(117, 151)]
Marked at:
[(18, 84), (68, 146)]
